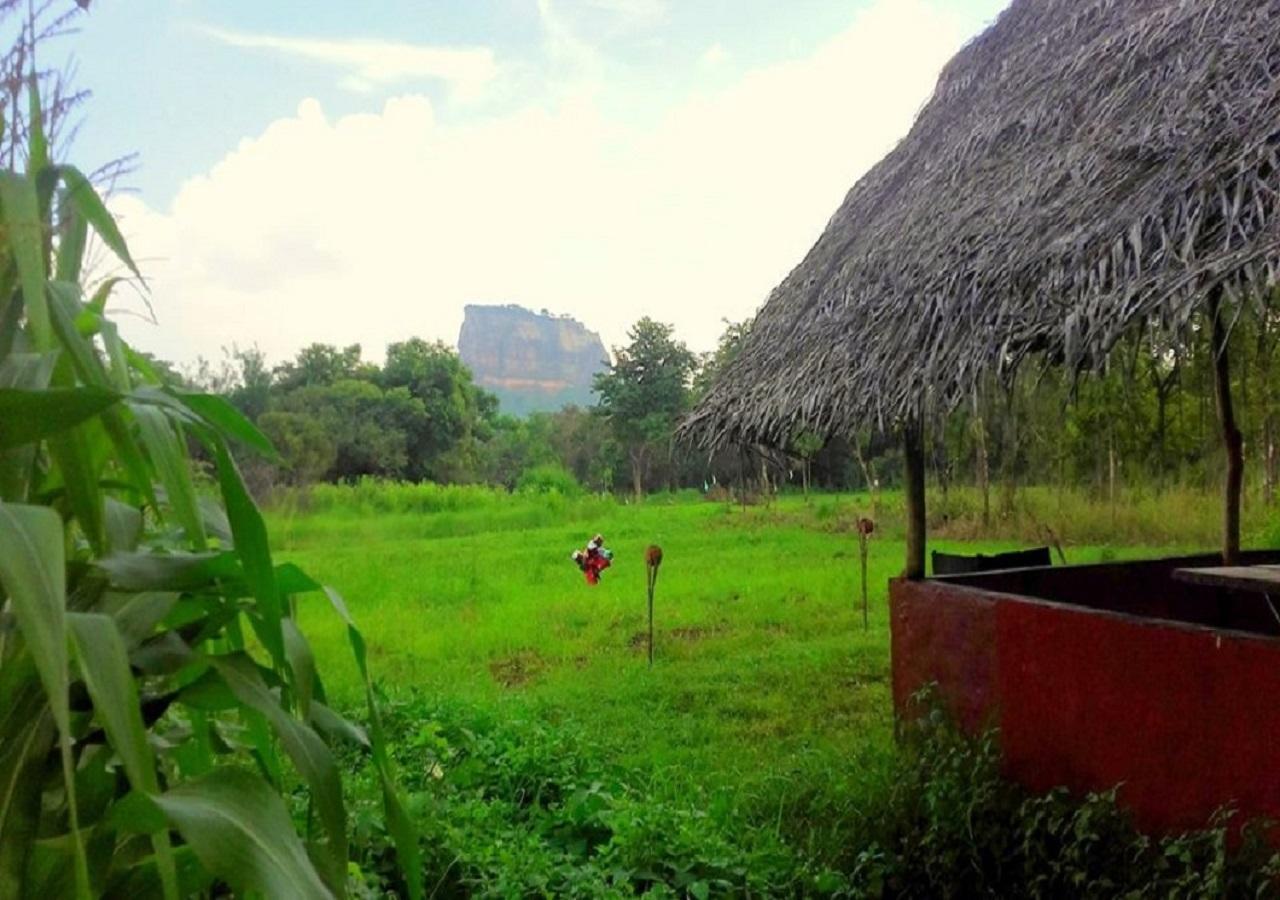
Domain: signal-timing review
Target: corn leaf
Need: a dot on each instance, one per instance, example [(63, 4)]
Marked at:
[(335, 726), (240, 831), (250, 535), (143, 878), (64, 308), (310, 755), (127, 450), (229, 421), (26, 238), (137, 614), (161, 441), (104, 664), (30, 371), (72, 450), (30, 416), (124, 526), (401, 827), (37, 142), (32, 571), (168, 571), (71, 244), (27, 734), (86, 202), (302, 663)]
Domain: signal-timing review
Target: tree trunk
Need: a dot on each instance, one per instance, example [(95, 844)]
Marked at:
[(1162, 402), (637, 474), (1269, 473), (869, 477), (913, 460), (1111, 472), (942, 471), (984, 466), (1232, 443), (1268, 417), (1009, 462)]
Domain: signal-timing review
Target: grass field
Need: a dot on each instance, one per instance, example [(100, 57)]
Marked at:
[(768, 700)]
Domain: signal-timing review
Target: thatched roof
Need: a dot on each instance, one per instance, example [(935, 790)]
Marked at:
[(1082, 165)]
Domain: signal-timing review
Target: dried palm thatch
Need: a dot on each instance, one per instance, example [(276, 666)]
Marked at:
[(1081, 166)]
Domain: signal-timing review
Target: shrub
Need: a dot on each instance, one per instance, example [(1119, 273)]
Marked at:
[(950, 826), (520, 807), (548, 478)]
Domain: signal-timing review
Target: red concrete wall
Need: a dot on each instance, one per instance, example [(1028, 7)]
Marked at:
[(1185, 718), (938, 636)]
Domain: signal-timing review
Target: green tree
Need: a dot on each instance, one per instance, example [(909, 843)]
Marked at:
[(644, 393), (581, 442), (321, 364), (371, 428), (455, 410), (732, 340), (304, 443), (806, 445)]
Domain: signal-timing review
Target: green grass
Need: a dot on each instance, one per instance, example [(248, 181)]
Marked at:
[(767, 696)]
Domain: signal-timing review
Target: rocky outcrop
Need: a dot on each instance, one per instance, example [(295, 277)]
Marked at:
[(533, 362)]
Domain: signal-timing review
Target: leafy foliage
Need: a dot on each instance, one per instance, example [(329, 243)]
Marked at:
[(548, 478), (950, 826), (645, 392), (147, 737), (522, 806)]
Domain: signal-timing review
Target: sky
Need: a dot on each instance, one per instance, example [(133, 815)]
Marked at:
[(358, 172)]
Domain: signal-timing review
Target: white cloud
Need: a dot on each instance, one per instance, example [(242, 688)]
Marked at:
[(374, 227), (633, 12), (371, 63), (714, 55)]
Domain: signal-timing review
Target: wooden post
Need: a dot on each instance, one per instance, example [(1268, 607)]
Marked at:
[(865, 527), (984, 464), (1232, 443), (652, 562), (913, 460)]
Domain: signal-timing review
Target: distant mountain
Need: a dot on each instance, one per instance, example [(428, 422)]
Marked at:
[(533, 362)]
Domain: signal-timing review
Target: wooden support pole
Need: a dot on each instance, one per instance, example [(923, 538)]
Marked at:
[(1232, 443), (913, 460)]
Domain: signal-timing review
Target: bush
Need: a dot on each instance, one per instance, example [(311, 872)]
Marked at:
[(513, 805), (520, 807), (548, 478), (950, 826)]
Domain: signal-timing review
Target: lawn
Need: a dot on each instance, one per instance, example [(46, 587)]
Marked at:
[(768, 698)]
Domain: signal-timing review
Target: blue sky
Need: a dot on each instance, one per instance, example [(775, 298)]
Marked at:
[(368, 168)]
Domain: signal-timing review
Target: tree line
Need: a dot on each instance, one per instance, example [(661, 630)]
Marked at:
[(1146, 420)]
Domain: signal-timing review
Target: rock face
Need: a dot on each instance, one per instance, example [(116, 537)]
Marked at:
[(533, 362)]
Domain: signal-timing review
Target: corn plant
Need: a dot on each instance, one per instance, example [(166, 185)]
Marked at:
[(158, 701)]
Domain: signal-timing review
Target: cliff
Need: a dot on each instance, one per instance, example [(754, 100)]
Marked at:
[(532, 362)]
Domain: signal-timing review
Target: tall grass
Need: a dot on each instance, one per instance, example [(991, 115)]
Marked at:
[(1180, 517)]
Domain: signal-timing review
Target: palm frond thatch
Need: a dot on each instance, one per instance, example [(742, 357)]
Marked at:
[(1082, 165)]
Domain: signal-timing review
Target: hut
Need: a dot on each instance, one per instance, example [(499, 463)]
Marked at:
[(1083, 167)]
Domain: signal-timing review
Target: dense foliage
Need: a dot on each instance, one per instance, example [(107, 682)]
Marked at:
[(1147, 423), (523, 807), (644, 393)]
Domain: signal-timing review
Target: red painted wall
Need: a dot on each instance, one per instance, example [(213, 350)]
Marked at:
[(1184, 717)]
